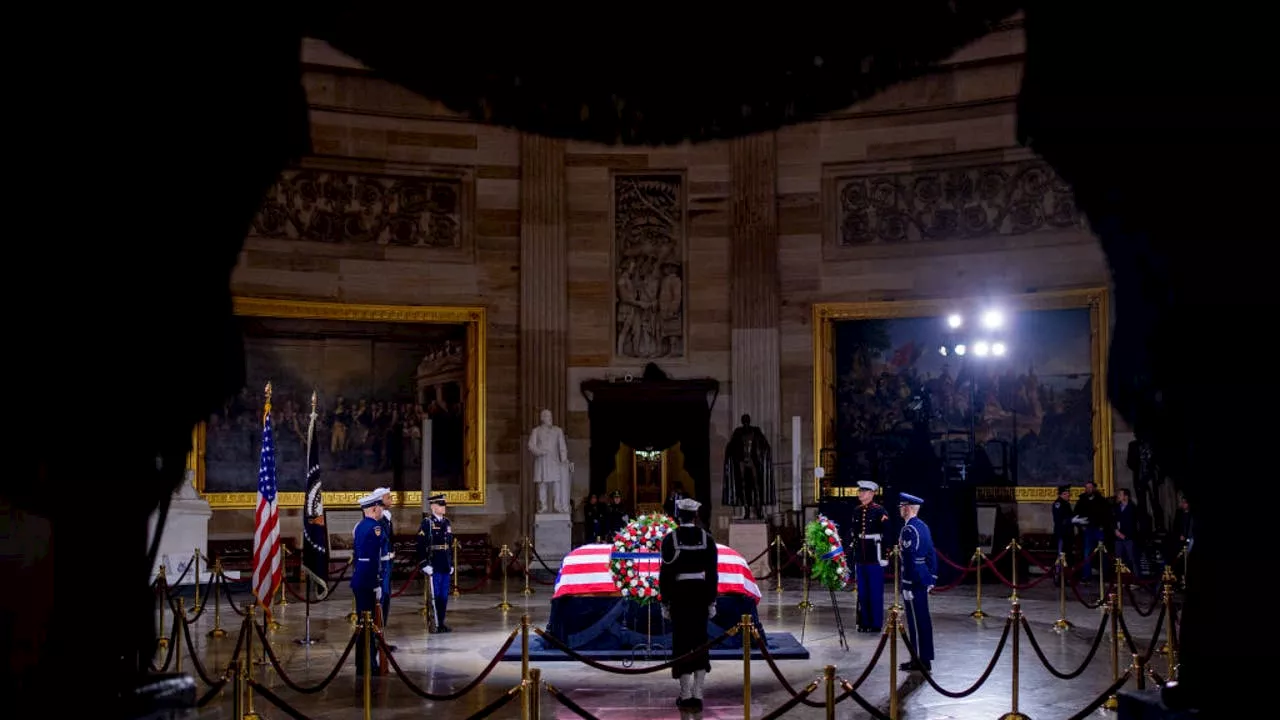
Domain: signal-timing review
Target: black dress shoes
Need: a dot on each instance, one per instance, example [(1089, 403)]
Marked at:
[(914, 666)]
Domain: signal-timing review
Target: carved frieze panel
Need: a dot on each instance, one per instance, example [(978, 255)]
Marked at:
[(349, 206), (948, 199), (649, 261)]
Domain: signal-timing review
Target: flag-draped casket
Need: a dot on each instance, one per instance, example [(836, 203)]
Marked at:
[(589, 610)]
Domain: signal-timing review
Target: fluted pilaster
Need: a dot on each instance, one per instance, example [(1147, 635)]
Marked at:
[(544, 297)]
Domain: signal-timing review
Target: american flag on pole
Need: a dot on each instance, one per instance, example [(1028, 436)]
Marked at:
[(267, 572)]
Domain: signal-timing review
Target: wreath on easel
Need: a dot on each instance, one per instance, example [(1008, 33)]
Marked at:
[(637, 557), (830, 566)]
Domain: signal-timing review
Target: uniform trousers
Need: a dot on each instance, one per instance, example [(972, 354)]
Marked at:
[(919, 624), (688, 608), (870, 579), (440, 593)]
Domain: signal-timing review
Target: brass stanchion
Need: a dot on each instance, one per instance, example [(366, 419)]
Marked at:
[(1112, 703), (217, 632), (896, 553), (746, 666), (524, 648), (504, 554), (1169, 648), (455, 592), (804, 604), (162, 589), (1101, 550), (237, 688), (179, 622), (1013, 548), (284, 578), (262, 654), (894, 708), (366, 631), (249, 713), (1139, 672), (978, 559), (777, 572), (528, 590), (1016, 615), (535, 692), (1184, 553), (1062, 624), (829, 679), (353, 617), (1120, 570), (195, 601)]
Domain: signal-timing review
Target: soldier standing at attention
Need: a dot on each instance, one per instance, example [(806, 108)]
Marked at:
[(919, 575), (870, 521), (387, 558), (689, 582), (616, 516), (366, 578), (435, 556)]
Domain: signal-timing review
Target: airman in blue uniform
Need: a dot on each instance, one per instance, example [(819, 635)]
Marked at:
[(869, 523), (366, 577), (388, 557), (435, 555), (919, 575)]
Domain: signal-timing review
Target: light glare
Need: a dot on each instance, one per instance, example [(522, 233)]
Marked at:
[(960, 350), (998, 349), (992, 319), (954, 321), (981, 348)]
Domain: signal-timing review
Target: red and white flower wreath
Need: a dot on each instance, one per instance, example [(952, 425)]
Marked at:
[(637, 557)]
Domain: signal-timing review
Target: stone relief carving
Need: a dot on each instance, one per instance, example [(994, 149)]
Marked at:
[(649, 264), (345, 207), (1003, 199)]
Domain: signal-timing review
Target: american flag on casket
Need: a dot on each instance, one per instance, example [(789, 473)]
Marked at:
[(585, 571)]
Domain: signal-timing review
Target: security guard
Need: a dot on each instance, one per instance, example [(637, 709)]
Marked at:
[(1064, 531), (366, 578), (869, 523), (689, 581), (435, 555), (919, 575), (388, 556)]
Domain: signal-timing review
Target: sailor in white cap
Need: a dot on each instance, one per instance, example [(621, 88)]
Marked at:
[(919, 575), (870, 522), (688, 583), (388, 555), (366, 577)]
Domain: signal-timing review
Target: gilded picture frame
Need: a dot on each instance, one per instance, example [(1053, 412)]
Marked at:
[(827, 315), (474, 319)]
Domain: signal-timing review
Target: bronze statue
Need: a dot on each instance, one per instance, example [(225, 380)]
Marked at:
[(748, 470)]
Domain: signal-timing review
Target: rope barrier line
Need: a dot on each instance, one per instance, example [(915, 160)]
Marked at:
[(342, 575), (1137, 607), (199, 612), (575, 655), (288, 681), (569, 704), (1161, 619), (211, 693), (170, 647), (982, 679), (1098, 701), (226, 593), (852, 692), (1075, 588), (871, 665), (274, 699), (790, 704), (496, 705), (454, 695), (796, 697), (1088, 658)]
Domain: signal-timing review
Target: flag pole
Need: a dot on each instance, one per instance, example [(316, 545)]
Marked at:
[(306, 639)]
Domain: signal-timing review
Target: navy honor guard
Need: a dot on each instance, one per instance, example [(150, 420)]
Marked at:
[(387, 558), (366, 577), (866, 533), (689, 582), (435, 556), (919, 575)]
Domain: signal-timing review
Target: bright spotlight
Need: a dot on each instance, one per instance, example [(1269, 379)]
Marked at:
[(998, 349), (960, 350), (942, 351), (992, 319), (954, 321), (981, 348)]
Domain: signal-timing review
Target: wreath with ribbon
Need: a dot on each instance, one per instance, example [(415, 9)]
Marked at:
[(637, 555), (830, 566)]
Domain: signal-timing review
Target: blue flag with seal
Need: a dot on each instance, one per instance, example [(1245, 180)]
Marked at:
[(315, 536)]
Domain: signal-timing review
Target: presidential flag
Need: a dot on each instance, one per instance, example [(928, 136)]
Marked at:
[(267, 568), (315, 536)]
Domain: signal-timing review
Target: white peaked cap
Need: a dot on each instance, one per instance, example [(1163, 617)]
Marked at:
[(688, 504)]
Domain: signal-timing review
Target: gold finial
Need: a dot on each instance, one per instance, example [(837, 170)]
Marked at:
[(268, 391)]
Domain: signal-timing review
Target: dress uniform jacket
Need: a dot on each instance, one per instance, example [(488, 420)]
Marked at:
[(366, 576), (689, 581), (435, 550)]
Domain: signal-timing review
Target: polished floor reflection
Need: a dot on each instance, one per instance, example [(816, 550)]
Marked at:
[(441, 663)]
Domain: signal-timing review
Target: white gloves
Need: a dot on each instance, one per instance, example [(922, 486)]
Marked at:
[(666, 612), (430, 570), (929, 589), (908, 595), (1079, 520), (711, 610), (450, 571), (884, 563), (377, 593)]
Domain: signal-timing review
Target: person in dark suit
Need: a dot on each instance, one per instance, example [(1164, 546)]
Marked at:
[(1093, 514), (677, 492), (1126, 529), (1064, 531)]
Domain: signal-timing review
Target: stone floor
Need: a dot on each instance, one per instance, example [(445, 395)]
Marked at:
[(442, 662)]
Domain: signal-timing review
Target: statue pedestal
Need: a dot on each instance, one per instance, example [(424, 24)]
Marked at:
[(750, 538), (552, 537), (186, 528)]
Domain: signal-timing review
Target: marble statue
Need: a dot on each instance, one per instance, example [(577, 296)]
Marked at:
[(551, 466)]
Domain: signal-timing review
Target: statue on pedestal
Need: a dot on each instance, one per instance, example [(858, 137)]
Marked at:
[(551, 466), (748, 470)]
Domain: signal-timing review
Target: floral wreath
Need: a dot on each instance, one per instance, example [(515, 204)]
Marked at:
[(640, 542), (830, 566)]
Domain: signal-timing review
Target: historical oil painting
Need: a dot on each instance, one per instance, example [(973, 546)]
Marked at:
[(1013, 404), (649, 266), (377, 384)]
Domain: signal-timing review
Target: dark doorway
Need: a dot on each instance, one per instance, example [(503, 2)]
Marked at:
[(653, 411)]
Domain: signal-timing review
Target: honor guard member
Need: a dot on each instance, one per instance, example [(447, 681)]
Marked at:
[(919, 575), (869, 523), (688, 582), (616, 516), (435, 556), (388, 557), (366, 578)]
